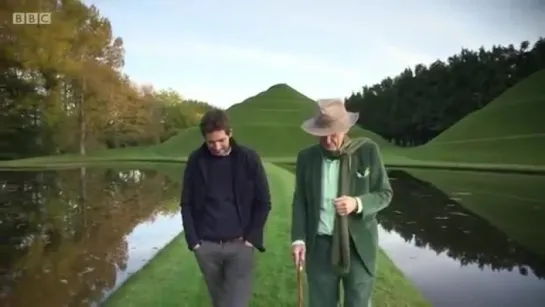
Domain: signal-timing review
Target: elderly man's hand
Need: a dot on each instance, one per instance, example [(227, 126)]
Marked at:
[(298, 253), (345, 205)]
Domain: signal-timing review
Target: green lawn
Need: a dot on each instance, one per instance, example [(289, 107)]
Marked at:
[(506, 135), (509, 130), (172, 278)]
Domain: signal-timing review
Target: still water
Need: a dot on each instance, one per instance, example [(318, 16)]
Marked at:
[(468, 239), (71, 237)]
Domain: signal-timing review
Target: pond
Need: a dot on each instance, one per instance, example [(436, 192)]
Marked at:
[(71, 237), (468, 239)]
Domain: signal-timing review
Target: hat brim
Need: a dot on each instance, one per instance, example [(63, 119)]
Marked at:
[(342, 125)]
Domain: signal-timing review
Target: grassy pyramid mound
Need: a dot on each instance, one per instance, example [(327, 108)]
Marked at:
[(510, 129), (268, 122)]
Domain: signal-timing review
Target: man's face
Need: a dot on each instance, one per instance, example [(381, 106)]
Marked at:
[(333, 141), (218, 142)]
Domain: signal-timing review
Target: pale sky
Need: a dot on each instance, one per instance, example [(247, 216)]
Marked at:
[(222, 52)]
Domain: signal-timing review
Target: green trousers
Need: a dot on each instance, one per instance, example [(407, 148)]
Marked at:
[(324, 282)]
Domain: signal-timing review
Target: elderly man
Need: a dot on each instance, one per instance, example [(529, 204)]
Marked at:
[(341, 185)]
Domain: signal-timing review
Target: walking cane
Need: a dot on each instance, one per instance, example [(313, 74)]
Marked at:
[(300, 285)]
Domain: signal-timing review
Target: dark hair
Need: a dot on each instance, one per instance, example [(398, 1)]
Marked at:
[(215, 120)]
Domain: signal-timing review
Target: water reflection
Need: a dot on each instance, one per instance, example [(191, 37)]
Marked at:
[(70, 237), (456, 257)]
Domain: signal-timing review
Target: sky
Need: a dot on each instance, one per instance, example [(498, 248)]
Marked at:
[(223, 52)]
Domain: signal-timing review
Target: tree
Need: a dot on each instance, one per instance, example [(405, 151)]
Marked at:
[(177, 113), (63, 90), (418, 104)]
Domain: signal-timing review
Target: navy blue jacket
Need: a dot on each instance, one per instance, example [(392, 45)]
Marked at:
[(251, 192)]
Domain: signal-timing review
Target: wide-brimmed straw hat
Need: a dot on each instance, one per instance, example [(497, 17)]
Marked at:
[(332, 117)]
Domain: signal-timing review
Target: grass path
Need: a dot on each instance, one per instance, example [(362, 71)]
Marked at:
[(172, 278)]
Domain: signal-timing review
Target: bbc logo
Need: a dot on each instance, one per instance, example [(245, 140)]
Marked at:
[(31, 18)]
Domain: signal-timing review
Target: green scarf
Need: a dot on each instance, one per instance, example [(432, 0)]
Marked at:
[(340, 247)]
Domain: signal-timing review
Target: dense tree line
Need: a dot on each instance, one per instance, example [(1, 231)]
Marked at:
[(418, 104), (62, 88)]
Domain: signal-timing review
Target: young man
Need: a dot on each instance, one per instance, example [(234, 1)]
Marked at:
[(225, 203), (341, 184)]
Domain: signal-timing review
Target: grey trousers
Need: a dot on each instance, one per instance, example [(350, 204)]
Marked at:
[(227, 270)]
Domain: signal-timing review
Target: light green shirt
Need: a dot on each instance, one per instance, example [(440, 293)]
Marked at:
[(330, 186), (330, 182)]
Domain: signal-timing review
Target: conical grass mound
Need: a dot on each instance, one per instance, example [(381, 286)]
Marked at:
[(509, 130), (268, 122)]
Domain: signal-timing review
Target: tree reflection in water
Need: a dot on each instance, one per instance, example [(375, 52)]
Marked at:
[(63, 233), (428, 217)]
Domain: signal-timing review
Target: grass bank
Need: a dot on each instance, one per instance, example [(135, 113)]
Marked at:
[(148, 155), (509, 130), (506, 135), (513, 203), (172, 278)]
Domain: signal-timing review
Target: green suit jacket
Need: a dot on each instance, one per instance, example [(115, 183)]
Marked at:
[(370, 184)]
